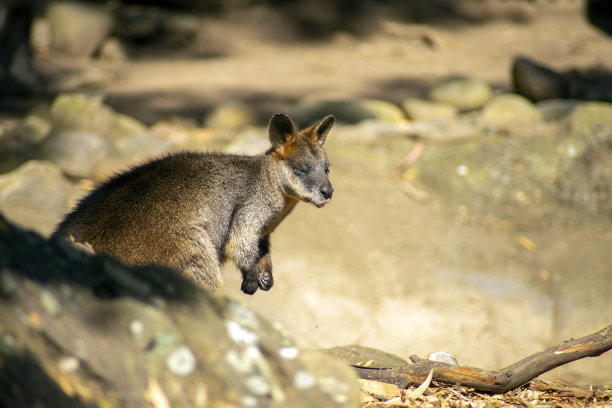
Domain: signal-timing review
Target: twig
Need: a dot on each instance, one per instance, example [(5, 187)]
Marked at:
[(498, 381)]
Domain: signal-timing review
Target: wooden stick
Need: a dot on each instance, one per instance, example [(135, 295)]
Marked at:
[(498, 381)]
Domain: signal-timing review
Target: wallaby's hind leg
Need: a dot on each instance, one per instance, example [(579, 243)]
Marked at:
[(201, 264)]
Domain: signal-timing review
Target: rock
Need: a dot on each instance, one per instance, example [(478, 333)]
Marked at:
[(32, 129), (82, 112), (585, 176), (79, 28), (310, 110), (362, 356), (74, 74), (141, 147), (35, 195), (19, 139), (420, 109), (371, 130), (230, 115), (464, 93), (587, 117), (509, 112), (77, 152), (444, 130), (492, 179), (249, 142), (86, 330), (112, 50), (443, 357), (554, 109)]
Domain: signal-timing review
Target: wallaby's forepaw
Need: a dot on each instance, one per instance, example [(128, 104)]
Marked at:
[(249, 286), (265, 280)]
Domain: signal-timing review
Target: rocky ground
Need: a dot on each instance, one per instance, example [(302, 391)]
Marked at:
[(465, 218)]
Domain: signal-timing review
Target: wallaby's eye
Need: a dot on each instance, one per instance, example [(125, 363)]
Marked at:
[(327, 170), (299, 171)]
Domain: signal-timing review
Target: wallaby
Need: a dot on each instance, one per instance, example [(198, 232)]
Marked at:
[(192, 210)]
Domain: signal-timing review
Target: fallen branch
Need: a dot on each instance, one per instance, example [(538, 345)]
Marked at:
[(498, 381)]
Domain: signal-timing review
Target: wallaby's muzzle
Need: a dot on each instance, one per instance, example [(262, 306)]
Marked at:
[(326, 192)]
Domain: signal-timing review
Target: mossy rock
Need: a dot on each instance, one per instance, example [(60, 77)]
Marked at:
[(347, 111), (83, 112), (464, 93)]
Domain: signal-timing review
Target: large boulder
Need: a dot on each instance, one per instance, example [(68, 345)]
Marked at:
[(85, 330)]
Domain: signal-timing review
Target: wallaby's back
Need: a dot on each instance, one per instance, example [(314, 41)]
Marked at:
[(151, 204), (192, 210)]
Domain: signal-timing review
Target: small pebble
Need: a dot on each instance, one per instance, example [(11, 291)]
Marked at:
[(443, 357)]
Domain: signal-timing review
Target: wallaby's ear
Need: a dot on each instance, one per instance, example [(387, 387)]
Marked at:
[(323, 127), (281, 129)]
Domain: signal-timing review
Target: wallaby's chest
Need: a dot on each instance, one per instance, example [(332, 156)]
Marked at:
[(289, 205)]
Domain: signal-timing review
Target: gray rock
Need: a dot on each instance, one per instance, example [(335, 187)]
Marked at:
[(310, 110), (35, 195), (588, 117), (79, 28), (230, 115), (82, 112), (32, 129), (140, 147), (77, 152), (464, 93), (250, 142), (554, 109), (585, 176), (420, 109), (125, 336), (510, 113), (18, 141), (493, 179), (444, 130), (112, 50), (362, 356)]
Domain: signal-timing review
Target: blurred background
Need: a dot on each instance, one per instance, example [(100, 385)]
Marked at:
[(472, 159)]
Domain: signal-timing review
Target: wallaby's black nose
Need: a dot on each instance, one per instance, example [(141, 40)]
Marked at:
[(327, 191)]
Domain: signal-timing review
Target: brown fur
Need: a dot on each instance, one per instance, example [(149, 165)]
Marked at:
[(194, 210)]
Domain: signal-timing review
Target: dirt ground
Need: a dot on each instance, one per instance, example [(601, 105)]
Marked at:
[(375, 267)]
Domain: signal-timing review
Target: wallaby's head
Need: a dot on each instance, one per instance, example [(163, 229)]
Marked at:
[(302, 161)]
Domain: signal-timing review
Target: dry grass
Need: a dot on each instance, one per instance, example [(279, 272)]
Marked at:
[(534, 394)]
